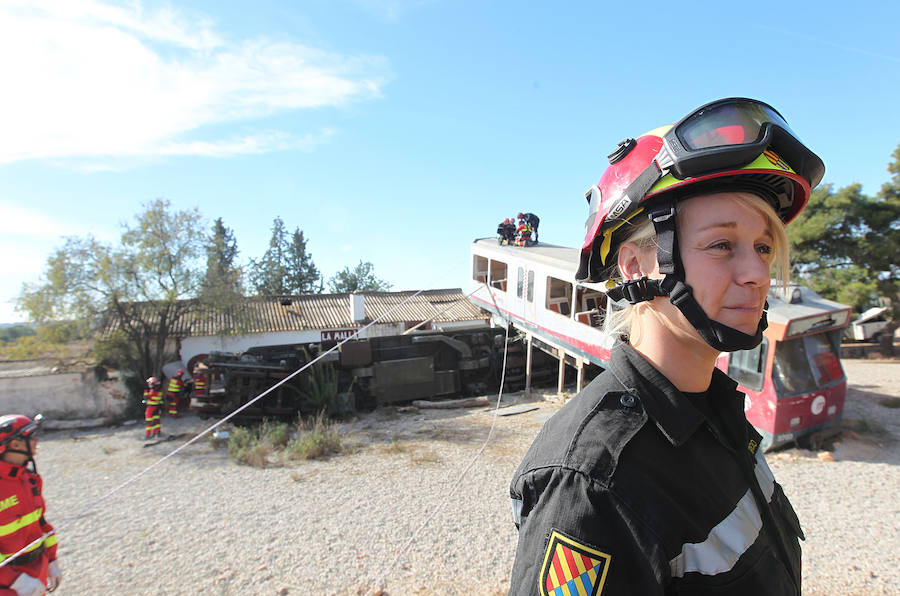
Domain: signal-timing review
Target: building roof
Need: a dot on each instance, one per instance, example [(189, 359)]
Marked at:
[(262, 314)]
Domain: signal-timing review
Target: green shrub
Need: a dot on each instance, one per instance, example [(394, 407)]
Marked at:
[(320, 387), (274, 434), (245, 446), (318, 438)]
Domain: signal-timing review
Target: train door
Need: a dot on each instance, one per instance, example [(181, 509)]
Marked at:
[(525, 292)]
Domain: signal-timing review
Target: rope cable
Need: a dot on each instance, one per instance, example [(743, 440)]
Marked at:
[(103, 498), (452, 489)]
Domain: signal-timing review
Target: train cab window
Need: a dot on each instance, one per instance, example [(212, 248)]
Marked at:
[(480, 269), (804, 364), (559, 296), (520, 282), (590, 306), (498, 275), (529, 288), (747, 367)]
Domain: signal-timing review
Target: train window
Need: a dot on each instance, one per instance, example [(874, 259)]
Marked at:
[(804, 364), (590, 306), (747, 367), (480, 269), (529, 290), (559, 296), (498, 274), (520, 281)]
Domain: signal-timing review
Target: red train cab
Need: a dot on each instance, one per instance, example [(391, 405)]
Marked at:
[(794, 381)]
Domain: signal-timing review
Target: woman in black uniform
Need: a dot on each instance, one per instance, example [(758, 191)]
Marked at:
[(651, 480)]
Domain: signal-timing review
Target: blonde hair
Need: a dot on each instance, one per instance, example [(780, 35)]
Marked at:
[(643, 235)]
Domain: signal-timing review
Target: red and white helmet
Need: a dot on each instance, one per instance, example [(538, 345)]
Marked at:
[(179, 372), (152, 381), (15, 427), (727, 143), (733, 144)]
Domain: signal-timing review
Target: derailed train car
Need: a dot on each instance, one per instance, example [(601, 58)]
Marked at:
[(376, 370), (364, 373)]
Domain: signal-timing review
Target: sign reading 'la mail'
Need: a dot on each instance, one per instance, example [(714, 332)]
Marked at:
[(337, 334)]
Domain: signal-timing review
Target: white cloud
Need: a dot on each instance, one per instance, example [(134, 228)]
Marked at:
[(17, 220), (93, 80)]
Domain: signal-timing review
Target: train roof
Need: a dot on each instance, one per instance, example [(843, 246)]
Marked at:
[(564, 257), (797, 302)]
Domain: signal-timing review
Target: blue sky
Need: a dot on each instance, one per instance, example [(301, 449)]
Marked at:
[(396, 131)]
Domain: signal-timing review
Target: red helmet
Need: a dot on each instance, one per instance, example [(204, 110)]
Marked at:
[(729, 144), (733, 144), (152, 381), (520, 215), (179, 372), (15, 427)]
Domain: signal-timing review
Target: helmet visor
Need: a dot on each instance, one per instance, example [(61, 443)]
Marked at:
[(729, 122), (731, 133)]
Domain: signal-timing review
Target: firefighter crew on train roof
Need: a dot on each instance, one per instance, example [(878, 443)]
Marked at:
[(651, 481), (153, 400), (532, 220), (173, 392), (23, 527)]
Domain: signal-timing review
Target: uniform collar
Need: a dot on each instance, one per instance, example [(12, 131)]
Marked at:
[(8, 470), (672, 412)]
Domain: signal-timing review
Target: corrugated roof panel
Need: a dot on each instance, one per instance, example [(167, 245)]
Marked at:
[(308, 312)]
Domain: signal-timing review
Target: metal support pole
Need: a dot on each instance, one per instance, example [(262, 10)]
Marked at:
[(579, 363), (528, 368), (561, 379)]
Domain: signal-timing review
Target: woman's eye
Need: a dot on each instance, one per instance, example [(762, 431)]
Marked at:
[(723, 245), (764, 249)]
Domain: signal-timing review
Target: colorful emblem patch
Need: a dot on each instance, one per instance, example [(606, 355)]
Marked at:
[(776, 160), (572, 569)]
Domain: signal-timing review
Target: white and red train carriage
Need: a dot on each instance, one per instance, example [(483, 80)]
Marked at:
[(794, 381)]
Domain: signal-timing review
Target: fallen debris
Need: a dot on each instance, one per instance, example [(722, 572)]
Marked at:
[(518, 409), (468, 402)]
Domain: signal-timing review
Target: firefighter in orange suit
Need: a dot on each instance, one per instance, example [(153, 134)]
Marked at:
[(201, 381), (22, 525), (154, 401), (173, 392)]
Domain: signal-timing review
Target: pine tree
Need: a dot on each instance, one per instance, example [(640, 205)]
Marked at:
[(286, 267), (223, 276)]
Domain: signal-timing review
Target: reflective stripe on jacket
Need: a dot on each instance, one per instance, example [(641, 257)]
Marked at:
[(630, 489), (21, 523)]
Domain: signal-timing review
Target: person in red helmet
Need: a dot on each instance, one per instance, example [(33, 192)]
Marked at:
[(153, 401), (173, 392), (651, 481), (506, 232), (533, 221), (27, 553)]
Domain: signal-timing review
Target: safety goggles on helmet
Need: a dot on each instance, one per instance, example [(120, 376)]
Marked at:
[(723, 135)]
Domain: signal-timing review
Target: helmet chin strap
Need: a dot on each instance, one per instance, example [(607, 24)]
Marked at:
[(719, 336), (27, 452)]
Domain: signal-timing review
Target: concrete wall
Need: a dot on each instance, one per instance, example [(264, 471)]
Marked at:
[(62, 396)]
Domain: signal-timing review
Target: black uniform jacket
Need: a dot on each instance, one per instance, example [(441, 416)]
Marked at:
[(630, 489)]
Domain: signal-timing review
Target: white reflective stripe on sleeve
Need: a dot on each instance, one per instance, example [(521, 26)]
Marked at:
[(764, 476), (731, 538), (516, 510)]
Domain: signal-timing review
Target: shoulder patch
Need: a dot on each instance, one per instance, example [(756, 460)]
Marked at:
[(572, 568)]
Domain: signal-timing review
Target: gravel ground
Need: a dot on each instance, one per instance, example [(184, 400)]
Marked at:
[(200, 524)]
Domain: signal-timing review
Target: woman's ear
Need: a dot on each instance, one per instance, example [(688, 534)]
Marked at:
[(635, 262)]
